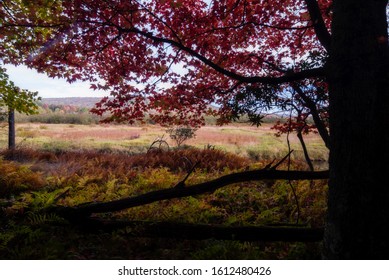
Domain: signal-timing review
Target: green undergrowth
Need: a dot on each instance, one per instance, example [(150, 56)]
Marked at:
[(36, 180)]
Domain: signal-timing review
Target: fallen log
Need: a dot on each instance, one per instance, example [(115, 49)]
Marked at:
[(184, 191), (202, 231)]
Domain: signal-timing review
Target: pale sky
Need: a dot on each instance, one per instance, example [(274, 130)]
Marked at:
[(26, 78)]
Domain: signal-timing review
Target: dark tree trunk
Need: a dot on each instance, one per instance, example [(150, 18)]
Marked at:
[(358, 206), (11, 129)]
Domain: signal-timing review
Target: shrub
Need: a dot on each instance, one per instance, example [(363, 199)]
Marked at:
[(180, 134)]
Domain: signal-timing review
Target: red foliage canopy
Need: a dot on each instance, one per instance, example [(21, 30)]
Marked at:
[(173, 59)]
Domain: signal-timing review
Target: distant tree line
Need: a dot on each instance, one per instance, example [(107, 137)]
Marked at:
[(55, 114), (71, 114)]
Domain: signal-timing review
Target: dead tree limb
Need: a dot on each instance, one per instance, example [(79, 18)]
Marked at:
[(206, 187), (202, 231), (305, 150)]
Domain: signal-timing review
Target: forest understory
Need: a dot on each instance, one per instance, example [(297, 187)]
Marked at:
[(34, 181)]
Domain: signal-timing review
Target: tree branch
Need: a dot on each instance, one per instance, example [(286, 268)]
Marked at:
[(315, 115), (243, 24), (31, 25), (207, 187), (305, 150), (289, 77), (318, 23), (201, 231)]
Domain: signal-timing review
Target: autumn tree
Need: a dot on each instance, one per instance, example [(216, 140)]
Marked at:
[(15, 99), (174, 58)]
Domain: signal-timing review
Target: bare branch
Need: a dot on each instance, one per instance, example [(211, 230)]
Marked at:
[(282, 160), (207, 187), (305, 150), (181, 184)]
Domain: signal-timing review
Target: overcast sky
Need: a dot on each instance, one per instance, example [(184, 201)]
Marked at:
[(48, 87)]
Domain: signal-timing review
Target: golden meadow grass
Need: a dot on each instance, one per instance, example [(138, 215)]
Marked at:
[(249, 141)]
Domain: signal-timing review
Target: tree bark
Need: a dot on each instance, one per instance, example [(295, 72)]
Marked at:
[(358, 205), (11, 129)]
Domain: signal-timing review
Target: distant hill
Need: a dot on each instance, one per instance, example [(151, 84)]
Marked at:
[(83, 102)]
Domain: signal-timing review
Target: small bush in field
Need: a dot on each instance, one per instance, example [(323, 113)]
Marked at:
[(180, 134)]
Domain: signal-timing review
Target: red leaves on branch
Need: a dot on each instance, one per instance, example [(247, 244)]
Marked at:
[(170, 59)]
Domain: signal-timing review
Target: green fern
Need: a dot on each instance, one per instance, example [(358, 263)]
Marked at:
[(43, 218), (45, 199)]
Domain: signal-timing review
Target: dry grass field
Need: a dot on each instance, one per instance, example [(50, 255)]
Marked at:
[(255, 142)]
